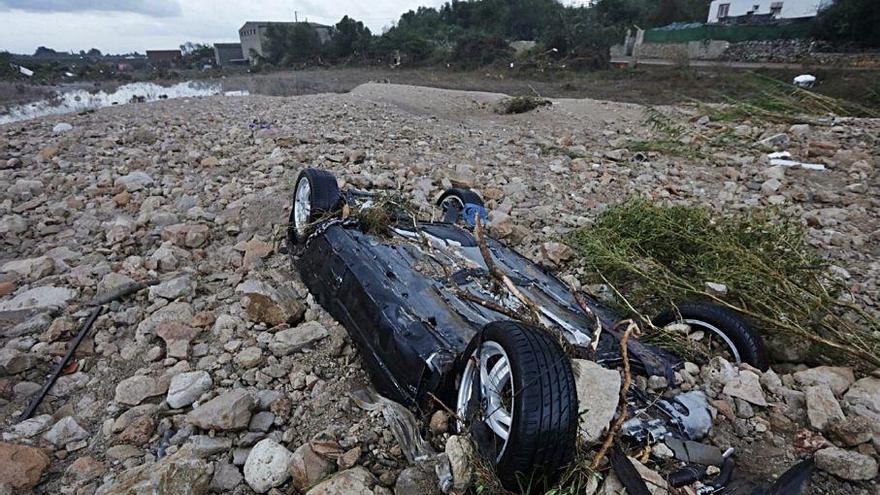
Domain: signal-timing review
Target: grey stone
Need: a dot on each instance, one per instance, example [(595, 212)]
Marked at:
[(838, 379), (416, 480), (261, 421), (267, 466), (226, 477), (179, 473), (822, 407), (293, 339), (747, 386), (598, 391), (186, 388), (135, 181), (39, 298), (776, 141), (864, 393), (13, 362), (460, 454), (174, 288), (356, 480), (66, 430), (230, 411), (846, 464), (204, 445), (132, 391)]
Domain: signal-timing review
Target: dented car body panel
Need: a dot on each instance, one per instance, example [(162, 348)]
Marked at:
[(408, 306)]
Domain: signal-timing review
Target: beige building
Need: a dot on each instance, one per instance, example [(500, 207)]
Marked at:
[(253, 37)]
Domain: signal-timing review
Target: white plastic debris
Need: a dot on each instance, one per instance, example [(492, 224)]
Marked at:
[(61, 127), (805, 81), (25, 71), (782, 158)]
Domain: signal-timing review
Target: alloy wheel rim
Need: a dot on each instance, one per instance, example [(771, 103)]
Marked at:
[(496, 391), (302, 206), (711, 332)]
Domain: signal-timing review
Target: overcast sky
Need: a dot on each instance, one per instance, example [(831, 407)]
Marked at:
[(119, 26)]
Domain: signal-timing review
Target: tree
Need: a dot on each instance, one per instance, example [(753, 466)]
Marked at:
[(44, 52), (94, 52), (850, 21), (477, 50), (350, 38), (289, 44)]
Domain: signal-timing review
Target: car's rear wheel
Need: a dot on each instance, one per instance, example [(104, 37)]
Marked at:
[(716, 331), (517, 398), (315, 196), (461, 204)]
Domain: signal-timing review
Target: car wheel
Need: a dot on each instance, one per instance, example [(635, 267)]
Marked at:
[(459, 203), (517, 398), (721, 332), (315, 195)]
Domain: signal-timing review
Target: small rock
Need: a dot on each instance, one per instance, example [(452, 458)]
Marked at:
[(439, 422), (838, 379), (864, 393), (308, 468), (86, 468), (598, 391), (747, 386), (230, 411), (776, 141), (415, 480), (262, 309), (178, 473), (66, 430), (134, 181), (822, 407), (177, 337), (132, 391), (226, 477), (460, 454), (186, 388), (850, 432), (556, 252), (294, 339), (249, 357), (139, 431), (356, 480), (61, 128), (846, 464), (267, 465), (21, 466)]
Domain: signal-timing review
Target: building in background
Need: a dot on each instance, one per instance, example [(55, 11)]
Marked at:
[(164, 57), (745, 11), (253, 37), (228, 54)]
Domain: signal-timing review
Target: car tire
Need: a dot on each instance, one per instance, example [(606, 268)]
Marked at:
[(543, 410), (454, 203), (744, 344), (321, 198)]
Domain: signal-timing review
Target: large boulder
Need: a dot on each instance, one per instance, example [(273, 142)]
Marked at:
[(267, 465), (21, 466), (598, 391), (230, 411)]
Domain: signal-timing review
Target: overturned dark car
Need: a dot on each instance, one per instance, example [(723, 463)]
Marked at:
[(440, 310)]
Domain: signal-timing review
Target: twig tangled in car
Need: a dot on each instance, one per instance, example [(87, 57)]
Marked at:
[(631, 329), (500, 277)]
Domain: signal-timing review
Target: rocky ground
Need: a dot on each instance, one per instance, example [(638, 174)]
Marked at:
[(227, 377)]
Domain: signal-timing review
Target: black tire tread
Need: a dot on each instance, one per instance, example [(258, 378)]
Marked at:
[(325, 198), (737, 328), (544, 426), (463, 193)]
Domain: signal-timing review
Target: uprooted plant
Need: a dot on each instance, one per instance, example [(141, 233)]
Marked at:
[(520, 104), (658, 255)]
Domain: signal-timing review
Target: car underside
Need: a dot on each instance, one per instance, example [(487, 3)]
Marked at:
[(439, 310)]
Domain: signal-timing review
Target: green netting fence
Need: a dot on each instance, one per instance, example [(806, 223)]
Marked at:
[(699, 32)]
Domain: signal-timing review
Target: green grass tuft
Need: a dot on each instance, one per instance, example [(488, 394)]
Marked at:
[(658, 255)]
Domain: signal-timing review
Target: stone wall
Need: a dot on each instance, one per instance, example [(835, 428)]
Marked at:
[(783, 51)]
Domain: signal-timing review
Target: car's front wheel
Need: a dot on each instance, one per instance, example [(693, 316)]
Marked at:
[(315, 196), (517, 398)]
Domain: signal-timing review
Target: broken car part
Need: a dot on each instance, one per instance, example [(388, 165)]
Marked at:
[(98, 302)]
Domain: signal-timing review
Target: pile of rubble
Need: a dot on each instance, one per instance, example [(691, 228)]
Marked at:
[(226, 376)]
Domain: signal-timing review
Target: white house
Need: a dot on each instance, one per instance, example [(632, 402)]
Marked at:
[(779, 9)]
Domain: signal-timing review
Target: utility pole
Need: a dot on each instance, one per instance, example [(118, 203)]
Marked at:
[(295, 16)]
